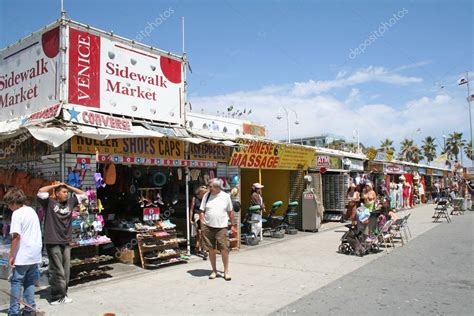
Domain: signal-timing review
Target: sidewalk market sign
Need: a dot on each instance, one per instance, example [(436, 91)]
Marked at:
[(30, 75), (269, 155), (104, 75)]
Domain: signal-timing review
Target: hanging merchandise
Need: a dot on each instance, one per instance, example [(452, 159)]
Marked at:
[(98, 180), (159, 179), (137, 174), (234, 180), (110, 174), (225, 184), (211, 174), (206, 178), (180, 174), (195, 174)]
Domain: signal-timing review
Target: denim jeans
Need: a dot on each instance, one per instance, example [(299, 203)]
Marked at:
[(23, 277), (59, 269)]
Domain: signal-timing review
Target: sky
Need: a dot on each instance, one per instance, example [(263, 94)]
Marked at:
[(379, 69)]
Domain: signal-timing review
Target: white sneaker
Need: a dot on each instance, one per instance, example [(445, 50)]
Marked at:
[(64, 300)]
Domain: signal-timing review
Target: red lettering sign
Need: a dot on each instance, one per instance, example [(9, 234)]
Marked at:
[(84, 69)]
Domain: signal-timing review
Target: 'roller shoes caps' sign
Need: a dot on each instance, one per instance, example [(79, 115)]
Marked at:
[(110, 76)]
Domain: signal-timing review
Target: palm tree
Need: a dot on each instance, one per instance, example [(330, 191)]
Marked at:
[(415, 155), (351, 147), (405, 148), (429, 148), (455, 144), (337, 144), (468, 150), (387, 146)]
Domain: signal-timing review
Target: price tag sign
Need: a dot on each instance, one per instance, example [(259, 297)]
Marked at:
[(151, 214)]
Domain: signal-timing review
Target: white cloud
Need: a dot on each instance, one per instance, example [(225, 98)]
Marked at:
[(354, 96), (319, 113), (369, 74)]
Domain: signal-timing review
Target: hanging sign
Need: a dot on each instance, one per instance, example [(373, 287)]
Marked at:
[(322, 161), (268, 155), (356, 165), (156, 161), (81, 115), (335, 163), (209, 152), (393, 169), (143, 147), (151, 214)]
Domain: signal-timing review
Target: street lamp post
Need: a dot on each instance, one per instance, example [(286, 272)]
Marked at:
[(356, 134), (287, 113)]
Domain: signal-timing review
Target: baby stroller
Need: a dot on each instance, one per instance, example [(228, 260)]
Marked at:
[(353, 242)]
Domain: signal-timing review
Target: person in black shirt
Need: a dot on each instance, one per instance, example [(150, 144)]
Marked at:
[(58, 235)]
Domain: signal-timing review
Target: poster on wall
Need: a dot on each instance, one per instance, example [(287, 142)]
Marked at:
[(108, 75), (141, 146), (29, 75), (268, 155)]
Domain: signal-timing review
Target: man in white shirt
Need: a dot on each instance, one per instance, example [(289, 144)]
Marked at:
[(216, 207), (25, 252)]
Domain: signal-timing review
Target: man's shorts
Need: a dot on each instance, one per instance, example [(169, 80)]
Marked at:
[(214, 238)]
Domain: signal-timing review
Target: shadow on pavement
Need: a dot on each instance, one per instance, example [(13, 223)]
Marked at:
[(199, 273)]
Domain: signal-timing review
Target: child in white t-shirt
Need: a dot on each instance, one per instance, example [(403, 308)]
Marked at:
[(25, 252)]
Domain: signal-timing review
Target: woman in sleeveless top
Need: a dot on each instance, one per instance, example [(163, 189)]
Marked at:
[(195, 211)]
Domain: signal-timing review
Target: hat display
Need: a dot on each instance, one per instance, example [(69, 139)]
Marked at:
[(257, 185)]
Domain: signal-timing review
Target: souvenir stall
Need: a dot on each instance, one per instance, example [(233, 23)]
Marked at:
[(145, 185), (393, 182), (33, 164), (95, 93), (278, 167)]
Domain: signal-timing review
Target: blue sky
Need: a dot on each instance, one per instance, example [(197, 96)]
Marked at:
[(267, 54)]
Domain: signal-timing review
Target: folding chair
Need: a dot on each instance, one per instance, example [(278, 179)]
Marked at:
[(405, 226), (458, 206), (396, 230), (385, 235), (441, 211)]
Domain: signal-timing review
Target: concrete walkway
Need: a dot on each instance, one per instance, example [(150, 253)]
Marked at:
[(265, 278)]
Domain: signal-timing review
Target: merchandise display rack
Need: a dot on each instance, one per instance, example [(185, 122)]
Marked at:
[(92, 265), (154, 242), (335, 200)]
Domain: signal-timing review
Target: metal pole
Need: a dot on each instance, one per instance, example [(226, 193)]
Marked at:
[(182, 20), (288, 125), (358, 143), (188, 243), (63, 13), (470, 120), (261, 215)]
